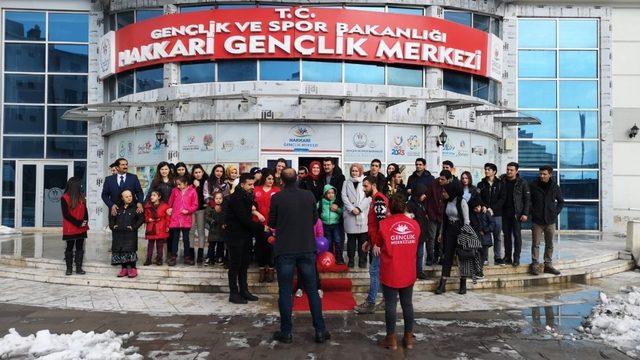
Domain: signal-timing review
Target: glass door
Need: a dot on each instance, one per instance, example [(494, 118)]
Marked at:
[(270, 161), (39, 187)]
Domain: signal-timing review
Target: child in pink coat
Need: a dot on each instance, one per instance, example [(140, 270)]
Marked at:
[(183, 202)]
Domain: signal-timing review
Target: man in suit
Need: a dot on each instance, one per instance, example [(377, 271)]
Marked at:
[(118, 182)]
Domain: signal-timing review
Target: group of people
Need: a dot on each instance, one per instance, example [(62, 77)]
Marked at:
[(273, 216)]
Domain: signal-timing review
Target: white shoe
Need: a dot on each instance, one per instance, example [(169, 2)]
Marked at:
[(299, 293), (320, 293)]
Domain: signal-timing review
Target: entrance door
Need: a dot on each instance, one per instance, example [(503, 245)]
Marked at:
[(39, 187), (295, 161)]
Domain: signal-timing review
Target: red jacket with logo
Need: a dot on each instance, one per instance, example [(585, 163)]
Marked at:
[(399, 236), (378, 210)]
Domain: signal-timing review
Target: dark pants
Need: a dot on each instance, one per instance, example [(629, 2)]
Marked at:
[(264, 250), (68, 252), (390, 305), (239, 260), (300, 282), (485, 253), (433, 229), (450, 242), (285, 265), (332, 233), (175, 239), (353, 241), (159, 245), (129, 265), (215, 251), (512, 238)]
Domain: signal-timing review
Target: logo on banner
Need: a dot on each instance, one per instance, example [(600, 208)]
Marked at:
[(359, 140), (148, 147), (301, 131), (241, 145), (455, 148), (413, 142), (398, 147), (125, 148), (193, 143)]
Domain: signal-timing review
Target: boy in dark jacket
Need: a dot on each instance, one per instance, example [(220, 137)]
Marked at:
[(416, 206), (483, 224)]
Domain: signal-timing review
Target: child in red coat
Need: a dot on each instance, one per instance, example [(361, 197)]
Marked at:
[(157, 230)]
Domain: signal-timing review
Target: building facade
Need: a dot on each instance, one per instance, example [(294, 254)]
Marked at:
[(246, 102)]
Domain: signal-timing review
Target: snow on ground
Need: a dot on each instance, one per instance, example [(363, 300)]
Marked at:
[(76, 346), (616, 321), (7, 230)]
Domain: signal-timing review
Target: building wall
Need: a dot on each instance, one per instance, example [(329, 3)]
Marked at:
[(626, 112)]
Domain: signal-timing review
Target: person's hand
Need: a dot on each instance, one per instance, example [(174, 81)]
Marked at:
[(266, 229), (366, 246), (376, 250), (334, 207), (115, 227), (114, 209), (185, 211), (355, 211), (484, 209), (84, 223), (482, 233), (439, 239), (169, 211), (224, 226), (139, 209), (490, 211), (129, 227), (523, 218), (261, 217)]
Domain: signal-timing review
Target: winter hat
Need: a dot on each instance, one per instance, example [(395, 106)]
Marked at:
[(255, 170)]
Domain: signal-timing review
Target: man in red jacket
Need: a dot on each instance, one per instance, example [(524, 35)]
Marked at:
[(377, 212)]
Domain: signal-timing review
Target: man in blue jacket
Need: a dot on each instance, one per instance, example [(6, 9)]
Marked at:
[(117, 183)]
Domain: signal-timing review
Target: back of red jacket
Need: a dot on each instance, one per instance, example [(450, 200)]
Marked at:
[(399, 244)]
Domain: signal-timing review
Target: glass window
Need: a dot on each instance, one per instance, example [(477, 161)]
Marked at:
[(580, 216), (578, 33), (8, 178), (8, 212), (536, 63), (533, 154), (124, 19), (19, 88), (529, 176), (481, 87), (24, 25), (364, 73), (24, 57), (237, 6), (578, 64), (326, 71), (19, 119), (197, 72), (578, 154), (460, 17), (404, 76), (194, 8), (67, 89), (56, 125), (536, 94), (403, 10), (149, 78), (80, 170), (536, 33), (546, 130), (142, 15), (237, 70), (579, 184), (287, 70), (481, 22), (68, 58), (495, 27), (578, 94), (69, 27), (125, 83), (66, 147), (579, 124), (456, 81), (366, 8), (23, 147)]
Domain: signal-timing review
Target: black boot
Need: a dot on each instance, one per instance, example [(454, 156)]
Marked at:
[(442, 286), (244, 287), (79, 258), (463, 286), (200, 256), (234, 294), (68, 258)]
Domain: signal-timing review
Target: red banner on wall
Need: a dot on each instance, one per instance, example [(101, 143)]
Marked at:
[(298, 32)]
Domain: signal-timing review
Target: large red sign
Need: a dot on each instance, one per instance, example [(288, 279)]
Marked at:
[(298, 32)]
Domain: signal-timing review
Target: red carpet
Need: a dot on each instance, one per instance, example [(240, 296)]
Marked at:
[(337, 296)]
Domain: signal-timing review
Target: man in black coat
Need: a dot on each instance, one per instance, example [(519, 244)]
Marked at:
[(239, 234), (420, 176), (332, 174), (546, 204), (293, 215), (493, 197), (416, 206), (514, 212), (381, 180)]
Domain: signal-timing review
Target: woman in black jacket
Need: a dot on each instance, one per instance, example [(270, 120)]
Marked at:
[(124, 242), (312, 181)]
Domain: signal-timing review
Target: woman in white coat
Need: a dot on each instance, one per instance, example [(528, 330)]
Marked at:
[(355, 212)]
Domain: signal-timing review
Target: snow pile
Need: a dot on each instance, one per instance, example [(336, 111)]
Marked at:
[(616, 321), (76, 346), (7, 230)]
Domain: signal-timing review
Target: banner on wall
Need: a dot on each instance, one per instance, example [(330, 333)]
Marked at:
[(301, 138), (121, 146), (458, 149), (237, 142), (197, 143), (299, 32), (147, 150), (363, 143), (483, 150), (404, 143)]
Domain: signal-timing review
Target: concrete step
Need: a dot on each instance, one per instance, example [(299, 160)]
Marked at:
[(218, 283)]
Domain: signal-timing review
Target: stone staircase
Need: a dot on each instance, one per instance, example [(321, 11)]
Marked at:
[(214, 279)]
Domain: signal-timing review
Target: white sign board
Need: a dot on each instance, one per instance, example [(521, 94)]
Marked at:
[(404, 143), (458, 149), (197, 143), (120, 146), (147, 150), (107, 55), (495, 58), (237, 142), (363, 143), (483, 150), (301, 138)]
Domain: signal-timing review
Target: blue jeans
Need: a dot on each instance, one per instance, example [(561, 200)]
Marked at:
[(497, 240), (332, 233), (285, 267), (374, 279), (420, 256)]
